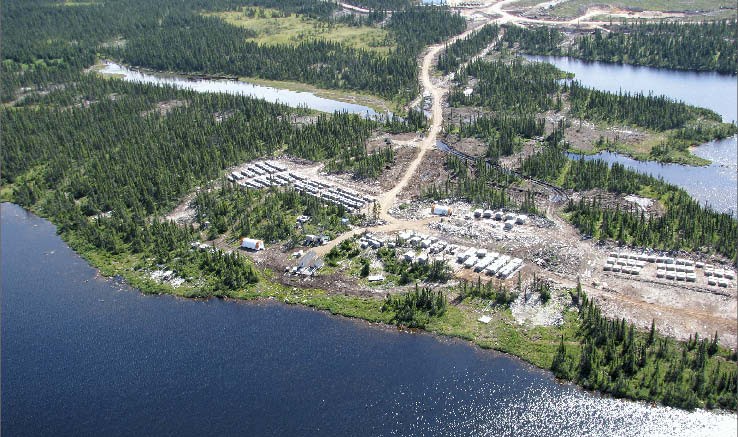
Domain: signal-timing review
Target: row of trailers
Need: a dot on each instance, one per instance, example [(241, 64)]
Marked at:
[(480, 260), (352, 201), (491, 263), (266, 174)]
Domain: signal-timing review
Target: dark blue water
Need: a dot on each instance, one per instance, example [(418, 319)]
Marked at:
[(83, 355), (715, 91)]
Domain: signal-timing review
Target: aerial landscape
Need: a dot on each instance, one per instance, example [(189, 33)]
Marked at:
[(370, 217)]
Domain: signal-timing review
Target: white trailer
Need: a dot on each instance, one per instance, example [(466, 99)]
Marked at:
[(252, 244), (442, 210)]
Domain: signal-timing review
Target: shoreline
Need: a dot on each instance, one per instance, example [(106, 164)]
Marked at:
[(376, 103), (365, 309)]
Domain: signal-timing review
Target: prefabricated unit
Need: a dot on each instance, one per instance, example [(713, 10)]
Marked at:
[(252, 244), (441, 210)]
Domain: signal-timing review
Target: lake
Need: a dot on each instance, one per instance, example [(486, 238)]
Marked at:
[(714, 184), (715, 91), (276, 95), (84, 355)]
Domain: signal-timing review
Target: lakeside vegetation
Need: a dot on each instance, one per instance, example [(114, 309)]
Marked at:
[(513, 91), (685, 225), (704, 46), (100, 159), (615, 358)]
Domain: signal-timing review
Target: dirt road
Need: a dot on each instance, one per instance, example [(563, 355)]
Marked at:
[(676, 317)]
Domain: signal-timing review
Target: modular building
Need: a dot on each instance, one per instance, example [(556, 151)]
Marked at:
[(252, 244), (441, 210)]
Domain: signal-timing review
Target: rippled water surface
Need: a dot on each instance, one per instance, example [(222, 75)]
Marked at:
[(84, 355), (287, 97)]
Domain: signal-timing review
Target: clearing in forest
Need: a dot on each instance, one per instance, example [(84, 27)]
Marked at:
[(574, 8), (277, 27)]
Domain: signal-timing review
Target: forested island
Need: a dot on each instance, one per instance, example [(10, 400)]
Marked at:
[(369, 217)]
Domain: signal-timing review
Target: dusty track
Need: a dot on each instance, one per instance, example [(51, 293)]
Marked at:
[(679, 320)]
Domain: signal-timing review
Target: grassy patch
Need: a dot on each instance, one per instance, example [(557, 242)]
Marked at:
[(641, 152), (274, 27)]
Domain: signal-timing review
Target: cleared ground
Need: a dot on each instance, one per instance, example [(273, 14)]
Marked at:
[(568, 9), (551, 248)]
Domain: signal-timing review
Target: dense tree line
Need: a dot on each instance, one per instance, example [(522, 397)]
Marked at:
[(540, 40), (686, 225), (209, 45), (414, 28), (502, 132), (416, 308), (518, 86), (66, 39), (174, 35), (548, 163), (265, 214), (705, 46), (654, 112), (615, 358), (381, 5), (479, 184), (522, 87), (109, 146), (317, 9), (463, 49)]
